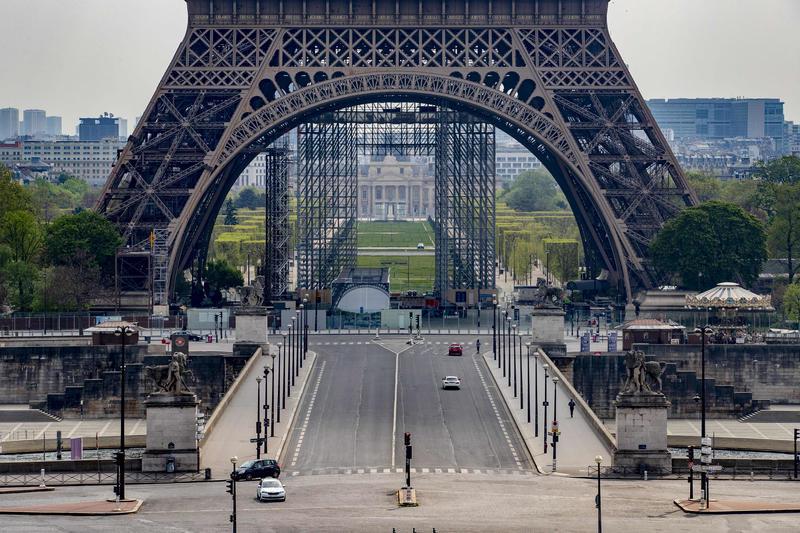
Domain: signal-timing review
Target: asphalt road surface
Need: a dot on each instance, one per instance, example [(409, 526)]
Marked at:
[(365, 394)]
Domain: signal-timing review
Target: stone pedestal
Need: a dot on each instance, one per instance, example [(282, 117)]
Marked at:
[(642, 433), (171, 433), (251, 325), (547, 330)]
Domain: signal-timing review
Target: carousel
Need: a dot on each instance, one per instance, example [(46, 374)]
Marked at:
[(731, 310)]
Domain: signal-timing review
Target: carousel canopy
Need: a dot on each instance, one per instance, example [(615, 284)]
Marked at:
[(729, 296)]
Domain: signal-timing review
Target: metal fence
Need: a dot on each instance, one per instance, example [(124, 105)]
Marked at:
[(732, 472), (98, 478)]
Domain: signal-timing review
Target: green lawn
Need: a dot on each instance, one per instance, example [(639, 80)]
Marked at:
[(419, 279), (394, 234)]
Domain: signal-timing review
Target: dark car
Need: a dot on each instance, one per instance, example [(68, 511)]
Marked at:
[(189, 335), (257, 469), (455, 349)]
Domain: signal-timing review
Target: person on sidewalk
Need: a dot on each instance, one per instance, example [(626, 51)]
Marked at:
[(478, 345), (571, 408)]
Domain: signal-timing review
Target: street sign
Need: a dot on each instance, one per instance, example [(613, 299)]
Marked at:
[(706, 468)]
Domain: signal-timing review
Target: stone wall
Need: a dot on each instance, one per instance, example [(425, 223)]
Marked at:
[(74, 382)]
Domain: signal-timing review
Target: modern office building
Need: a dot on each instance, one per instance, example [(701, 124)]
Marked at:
[(34, 122), (722, 118), (99, 128), (511, 160), (9, 123), (123, 129), (54, 126), (90, 161)]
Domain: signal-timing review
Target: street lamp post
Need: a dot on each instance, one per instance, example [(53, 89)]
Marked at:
[(494, 329), (123, 332), (284, 372), (281, 362), (232, 490), (545, 403), (272, 398), (536, 394), (503, 340), (705, 330), (528, 381), (555, 419), (508, 348), (599, 459), (514, 352), (292, 350), (267, 407), (258, 417)]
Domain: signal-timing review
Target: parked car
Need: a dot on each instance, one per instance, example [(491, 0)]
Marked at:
[(257, 469), (189, 335), (270, 489), (455, 349), (451, 382), (420, 246)]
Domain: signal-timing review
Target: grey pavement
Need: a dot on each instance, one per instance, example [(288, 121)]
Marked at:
[(352, 415), (449, 502)]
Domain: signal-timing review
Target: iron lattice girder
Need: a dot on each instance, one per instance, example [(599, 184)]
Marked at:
[(546, 72), (278, 233)]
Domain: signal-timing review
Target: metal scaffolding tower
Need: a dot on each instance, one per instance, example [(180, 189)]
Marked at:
[(278, 233), (326, 201), (465, 205)]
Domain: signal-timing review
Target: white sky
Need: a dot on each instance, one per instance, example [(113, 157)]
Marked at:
[(83, 57)]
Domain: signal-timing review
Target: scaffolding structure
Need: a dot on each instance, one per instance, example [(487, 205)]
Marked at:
[(327, 202), (465, 205), (278, 232), (464, 185)]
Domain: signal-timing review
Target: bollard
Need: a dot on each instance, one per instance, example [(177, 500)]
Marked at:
[(42, 483), (751, 476), (645, 475)]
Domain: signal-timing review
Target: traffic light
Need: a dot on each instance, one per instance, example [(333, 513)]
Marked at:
[(691, 455), (417, 321), (229, 483), (407, 438), (797, 434)]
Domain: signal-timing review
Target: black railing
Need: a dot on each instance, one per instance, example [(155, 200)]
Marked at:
[(727, 472), (96, 478)]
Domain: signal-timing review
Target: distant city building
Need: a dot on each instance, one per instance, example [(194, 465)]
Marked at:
[(9, 123), (793, 138), (395, 189), (511, 160), (90, 161), (97, 129), (722, 118), (34, 122), (123, 129), (54, 126), (254, 175)]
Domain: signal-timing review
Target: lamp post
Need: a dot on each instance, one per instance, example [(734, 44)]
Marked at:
[(528, 381), (281, 364), (232, 490), (705, 330), (599, 459), (123, 332), (536, 394), (494, 329), (267, 406), (555, 419), (292, 350), (258, 417), (514, 354), (272, 398), (508, 348), (503, 340), (302, 319), (545, 403)]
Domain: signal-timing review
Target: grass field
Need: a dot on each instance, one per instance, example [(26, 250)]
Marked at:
[(394, 234), (420, 278)]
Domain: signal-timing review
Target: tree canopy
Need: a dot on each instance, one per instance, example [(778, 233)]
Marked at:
[(251, 198), (535, 190), (709, 244), (87, 232)]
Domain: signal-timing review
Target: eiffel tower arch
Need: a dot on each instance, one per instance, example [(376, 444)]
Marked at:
[(247, 71)]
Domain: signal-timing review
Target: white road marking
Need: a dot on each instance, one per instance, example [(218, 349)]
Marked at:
[(497, 414), (39, 435), (8, 435), (74, 429), (394, 407), (308, 415), (100, 433)]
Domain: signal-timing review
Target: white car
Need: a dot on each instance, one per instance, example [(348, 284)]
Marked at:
[(451, 382), (270, 489), (420, 246)]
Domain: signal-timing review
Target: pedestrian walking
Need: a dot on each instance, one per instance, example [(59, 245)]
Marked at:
[(478, 345), (571, 408)]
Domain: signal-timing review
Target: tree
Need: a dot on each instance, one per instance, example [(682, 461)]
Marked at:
[(21, 233), (785, 170), (73, 287), (87, 231), (13, 196), (783, 235), (535, 190), (220, 275), (791, 302), (706, 186), (709, 244), (230, 213), (251, 198)]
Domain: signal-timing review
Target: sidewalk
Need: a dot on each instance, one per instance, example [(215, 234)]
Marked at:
[(736, 507), (91, 508), (236, 424)]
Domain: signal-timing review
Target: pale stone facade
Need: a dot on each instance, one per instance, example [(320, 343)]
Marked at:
[(394, 189)]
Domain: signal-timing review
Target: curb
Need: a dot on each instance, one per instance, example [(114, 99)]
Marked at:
[(301, 394), (23, 490), (42, 511)]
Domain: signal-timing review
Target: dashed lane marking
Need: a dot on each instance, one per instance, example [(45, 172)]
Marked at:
[(497, 415), (306, 420)]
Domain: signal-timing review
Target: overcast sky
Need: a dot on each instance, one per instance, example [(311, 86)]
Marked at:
[(83, 57)]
